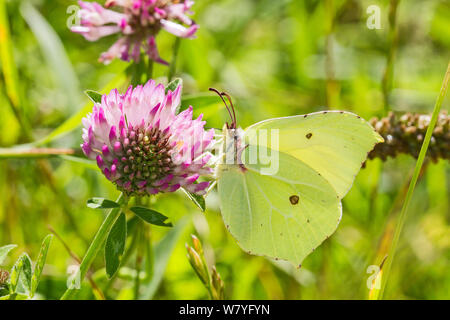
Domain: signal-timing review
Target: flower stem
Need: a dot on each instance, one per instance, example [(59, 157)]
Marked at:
[(412, 185), (11, 74), (173, 63), (97, 292), (97, 244), (137, 70), (150, 69), (148, 253)]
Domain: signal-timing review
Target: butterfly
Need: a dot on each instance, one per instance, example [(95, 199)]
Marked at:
[(286, 207)]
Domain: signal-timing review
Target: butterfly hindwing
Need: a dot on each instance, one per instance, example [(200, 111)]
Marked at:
[(282, 216)]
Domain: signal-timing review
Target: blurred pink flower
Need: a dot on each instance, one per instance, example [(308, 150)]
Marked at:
[(143, 146), (137, 22)]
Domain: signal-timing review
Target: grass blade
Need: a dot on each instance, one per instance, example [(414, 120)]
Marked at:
[(95, 247), (162, 253), (21, 271), (54, 52), (20, 152), (412, 185), (5, 250), (198, 200), (8, 65), (9, 69)]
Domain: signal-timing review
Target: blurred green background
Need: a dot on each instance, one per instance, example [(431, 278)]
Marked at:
[(276, 58)]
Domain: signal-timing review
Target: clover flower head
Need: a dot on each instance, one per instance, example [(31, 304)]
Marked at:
[(143, 146), (137, 22)]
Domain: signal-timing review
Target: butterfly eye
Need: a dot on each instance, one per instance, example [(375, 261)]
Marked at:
[(294, 199), (309, 135)]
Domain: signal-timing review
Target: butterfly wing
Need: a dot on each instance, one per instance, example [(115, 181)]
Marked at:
[(282, 216), (333, 143), (286, 215)]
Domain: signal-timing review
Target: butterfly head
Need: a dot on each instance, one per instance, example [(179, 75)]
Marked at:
[(233, 145)]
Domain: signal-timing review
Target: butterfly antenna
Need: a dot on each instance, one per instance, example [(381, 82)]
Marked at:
[(226, 105), (232, 108)]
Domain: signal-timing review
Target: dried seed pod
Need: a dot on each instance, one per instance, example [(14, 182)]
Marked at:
[(405, 134), (4, 276)]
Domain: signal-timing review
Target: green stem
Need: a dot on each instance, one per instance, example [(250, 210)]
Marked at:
[(97, 244), (139, 258), (149, 69), (393, 40), (11, 74), (173, 63), (137, 70), (148, 253), (412, 185), (8, 153), (332, 86)]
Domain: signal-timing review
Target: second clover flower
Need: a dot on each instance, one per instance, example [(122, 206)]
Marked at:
[(143, 146), (137, 22)]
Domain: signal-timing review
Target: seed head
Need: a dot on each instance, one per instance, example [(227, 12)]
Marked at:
[(405, 134), (4, 276)]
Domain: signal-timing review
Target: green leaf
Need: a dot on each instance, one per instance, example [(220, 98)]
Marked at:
[(14, 296), (115, 245), (96, 245), (101, 203), (5, 250), (151, 216), (131, 224), (27, 273), (199, 201), (162, 252), (173, 85), (21, 271), (40, 264), (94, 96)]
